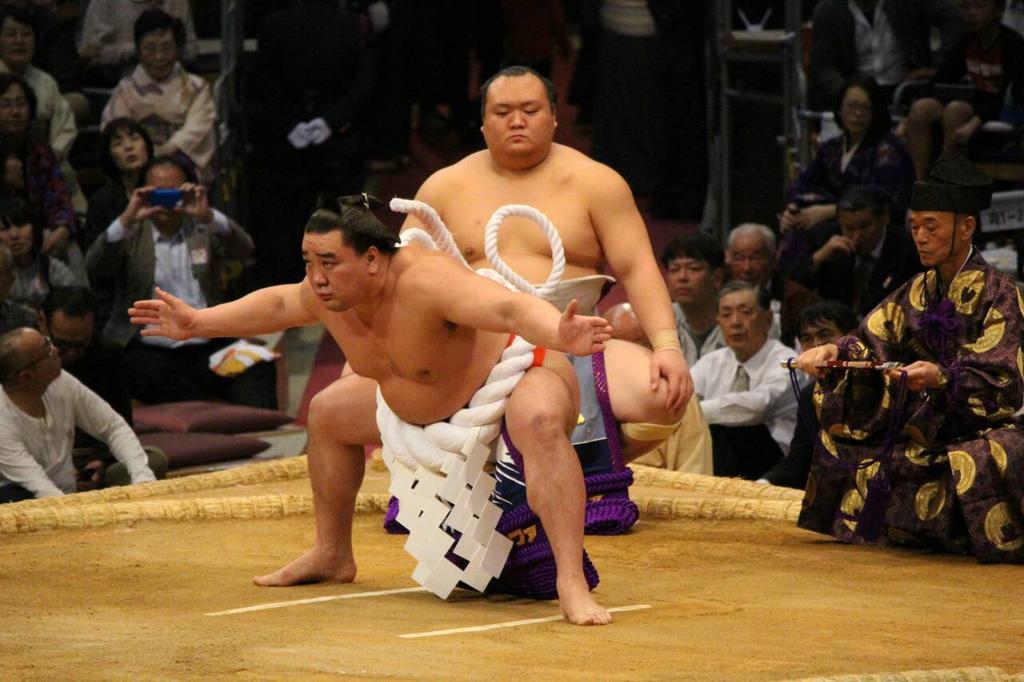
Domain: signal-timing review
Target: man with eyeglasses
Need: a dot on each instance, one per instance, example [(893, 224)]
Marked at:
[(40, 406), (751, 255), (67, 317)]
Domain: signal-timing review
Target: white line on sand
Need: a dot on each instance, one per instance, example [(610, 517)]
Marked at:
[(314, 600), (511, 623)]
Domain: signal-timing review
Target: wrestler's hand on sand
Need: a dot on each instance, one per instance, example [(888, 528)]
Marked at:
[(165, 316), (582, 334), (670, 364), (819, 355), (920, 375)]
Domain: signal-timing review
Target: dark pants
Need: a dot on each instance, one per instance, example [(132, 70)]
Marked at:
[(155, 374), (12, 492), (743, 451)]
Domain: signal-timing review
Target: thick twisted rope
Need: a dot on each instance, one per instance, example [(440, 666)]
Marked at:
[(440, 510), (436, 235), (546, 226)]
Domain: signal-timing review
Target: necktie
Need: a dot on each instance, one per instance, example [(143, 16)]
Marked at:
[(741, 382)]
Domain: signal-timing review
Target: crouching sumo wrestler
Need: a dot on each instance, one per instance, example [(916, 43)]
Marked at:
[(429, 333)]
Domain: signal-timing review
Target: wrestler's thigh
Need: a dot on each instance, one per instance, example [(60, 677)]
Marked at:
[(346, 410), (629, 370), (550, 390)]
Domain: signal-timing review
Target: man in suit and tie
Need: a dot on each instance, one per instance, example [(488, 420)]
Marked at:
[(859, 259)]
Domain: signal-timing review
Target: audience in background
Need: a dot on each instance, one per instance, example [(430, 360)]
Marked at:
[(68, 319), (125, 148), (696, 271), (857, 261), (40, 406), (821, 323), (867, 154), (107, 41), (12, 314), (316, 76), (174, 106), (33, 170), (751, 255), (887, 40), (35, 272), (17, 49), (990, 57), (744, 392), (183, 250)]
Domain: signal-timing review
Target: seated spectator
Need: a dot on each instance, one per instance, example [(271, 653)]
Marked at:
[(125, 148), (890, 41), (40, 405), (67, 317), (107, 42), (744, 391), (696, 271), (174, 106), (12, 314), (990, 57), (34, 271), (821, 323), (751, 255), (32, 170), (866, 154), (17, 48), (858, 261), (182, 250)]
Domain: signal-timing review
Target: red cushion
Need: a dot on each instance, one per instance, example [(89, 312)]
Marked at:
[(205, 416), (190, 449)]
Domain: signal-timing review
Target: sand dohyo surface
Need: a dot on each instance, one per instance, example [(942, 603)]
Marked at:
[(715, 599)]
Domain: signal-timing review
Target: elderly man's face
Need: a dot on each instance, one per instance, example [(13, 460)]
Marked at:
[(744, 323), (749, 259), (934, 234)]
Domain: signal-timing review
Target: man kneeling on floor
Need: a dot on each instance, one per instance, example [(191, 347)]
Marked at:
[(428, 331), (40, 407)]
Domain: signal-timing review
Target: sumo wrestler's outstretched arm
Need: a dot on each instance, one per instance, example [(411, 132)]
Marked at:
[(466, 298), (261, 312)]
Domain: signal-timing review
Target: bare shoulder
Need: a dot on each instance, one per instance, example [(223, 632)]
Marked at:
[(593, 175), (451, 178)]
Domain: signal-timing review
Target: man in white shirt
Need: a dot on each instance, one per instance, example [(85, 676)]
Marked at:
[(744, 391), (40, 406)]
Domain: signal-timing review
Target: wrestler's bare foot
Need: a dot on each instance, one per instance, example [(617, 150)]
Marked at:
[(578, 605), (312, 567)]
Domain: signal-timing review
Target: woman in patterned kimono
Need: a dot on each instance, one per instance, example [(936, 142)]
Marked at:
[(929, 454)]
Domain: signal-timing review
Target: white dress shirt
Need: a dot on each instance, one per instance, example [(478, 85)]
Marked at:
[(878, 52), (35, 453), (712, 341), (769, 401)]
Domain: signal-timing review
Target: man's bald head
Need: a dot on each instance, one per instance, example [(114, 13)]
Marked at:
[(750, 253)]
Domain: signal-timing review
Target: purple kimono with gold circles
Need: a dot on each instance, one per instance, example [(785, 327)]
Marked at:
[(939, 468)]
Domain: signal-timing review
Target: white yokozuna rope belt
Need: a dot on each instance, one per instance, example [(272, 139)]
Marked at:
[(437, 471)]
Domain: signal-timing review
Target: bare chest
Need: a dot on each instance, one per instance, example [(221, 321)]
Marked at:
[(521, 242)]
